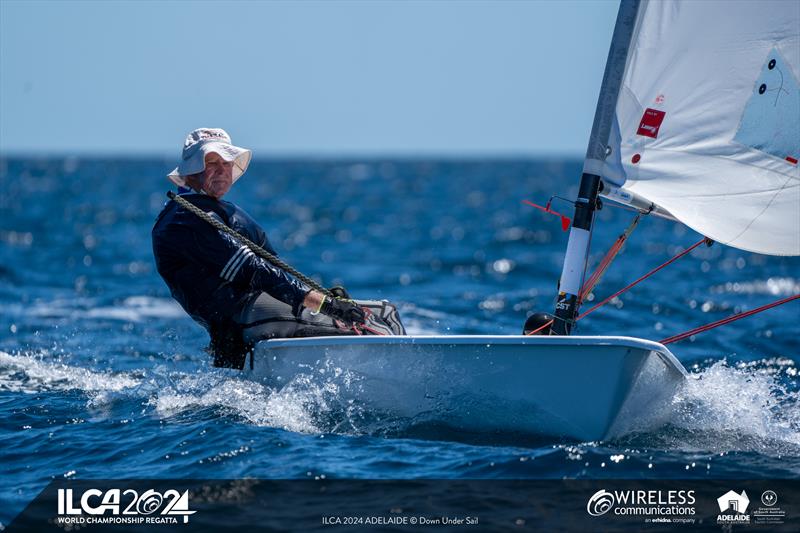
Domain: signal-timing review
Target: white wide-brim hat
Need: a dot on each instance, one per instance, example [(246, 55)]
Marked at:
[(203, 141)]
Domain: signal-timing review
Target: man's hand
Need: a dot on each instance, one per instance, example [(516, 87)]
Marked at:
[(345, 310)]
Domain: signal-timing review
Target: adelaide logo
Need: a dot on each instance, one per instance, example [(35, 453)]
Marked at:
[(733, 508)]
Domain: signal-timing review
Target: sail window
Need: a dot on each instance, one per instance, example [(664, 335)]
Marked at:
[(769, 121)]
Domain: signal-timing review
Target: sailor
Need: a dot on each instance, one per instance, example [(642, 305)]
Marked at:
[(236, 295)]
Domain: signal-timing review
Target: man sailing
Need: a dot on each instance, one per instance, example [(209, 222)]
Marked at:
[(236, 295)]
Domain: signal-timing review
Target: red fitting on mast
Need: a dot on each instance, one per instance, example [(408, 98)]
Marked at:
[(565, 221)]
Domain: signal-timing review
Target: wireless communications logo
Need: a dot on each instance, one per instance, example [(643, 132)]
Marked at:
[(659, 505), (600, 502), (116, 506)]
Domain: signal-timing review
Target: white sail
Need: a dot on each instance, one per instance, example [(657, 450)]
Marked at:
[(707, 120)]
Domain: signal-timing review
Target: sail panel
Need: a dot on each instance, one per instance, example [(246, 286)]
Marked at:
[(707, 121)]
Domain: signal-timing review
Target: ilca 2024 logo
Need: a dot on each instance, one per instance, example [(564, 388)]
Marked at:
[(116, 506)]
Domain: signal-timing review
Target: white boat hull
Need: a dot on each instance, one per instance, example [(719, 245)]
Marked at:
[(586, 388)]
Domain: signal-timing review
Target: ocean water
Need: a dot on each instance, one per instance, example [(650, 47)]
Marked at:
[(102, 375)]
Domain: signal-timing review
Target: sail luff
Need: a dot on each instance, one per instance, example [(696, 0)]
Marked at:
[(568, 303), (597, 149)]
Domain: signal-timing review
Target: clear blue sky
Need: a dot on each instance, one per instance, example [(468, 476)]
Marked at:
[(327, 78)]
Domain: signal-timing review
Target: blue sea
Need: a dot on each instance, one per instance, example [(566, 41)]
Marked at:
[(102, 375)]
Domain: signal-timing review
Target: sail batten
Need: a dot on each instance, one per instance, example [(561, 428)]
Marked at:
[(706, 124)]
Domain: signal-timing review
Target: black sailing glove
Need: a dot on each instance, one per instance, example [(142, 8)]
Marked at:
[(345, 310)]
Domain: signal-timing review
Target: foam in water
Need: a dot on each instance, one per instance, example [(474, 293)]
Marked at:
[(749, 407), (743, 408), (131, 309), (305, 405), (34, 373), (139, 308), (296, 407)]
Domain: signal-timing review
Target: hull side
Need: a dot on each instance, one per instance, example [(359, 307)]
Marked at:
[(587, 388)]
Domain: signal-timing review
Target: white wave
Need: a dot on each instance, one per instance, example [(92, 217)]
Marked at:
[(418, 327), (43, 372), (408, 308), (132, 309), (304, 405), (298, 406), (720, 409), (417, 320), (742, 408), (137, 309)]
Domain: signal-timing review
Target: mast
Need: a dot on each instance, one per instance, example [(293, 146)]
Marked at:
[(596, 153)]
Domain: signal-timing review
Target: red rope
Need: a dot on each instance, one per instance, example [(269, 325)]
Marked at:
[(367, 312), (732, 318), (609, 257), (601, 268), (675, 258), (373, 331)]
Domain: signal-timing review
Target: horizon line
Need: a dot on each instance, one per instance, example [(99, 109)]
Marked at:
[(298, 155)]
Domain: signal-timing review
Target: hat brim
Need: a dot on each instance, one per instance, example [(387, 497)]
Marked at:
[(240, 157)]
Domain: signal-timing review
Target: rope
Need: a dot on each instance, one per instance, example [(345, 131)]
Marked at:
[(674, 258), (585, 266), (259, 251), (732, 318), (606, 262), (364, 326)]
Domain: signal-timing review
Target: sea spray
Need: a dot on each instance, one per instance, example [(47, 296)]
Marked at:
[(743, 406), (42, 371), (307, 404)]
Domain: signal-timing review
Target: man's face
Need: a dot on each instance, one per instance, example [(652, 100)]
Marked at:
[(218, 176)]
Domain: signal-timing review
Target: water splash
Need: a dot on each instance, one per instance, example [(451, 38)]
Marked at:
[(300, 406), (308, 404), (32, 373), (747, 407)]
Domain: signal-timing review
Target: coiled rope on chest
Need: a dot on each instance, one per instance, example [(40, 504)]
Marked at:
[(256, 249)]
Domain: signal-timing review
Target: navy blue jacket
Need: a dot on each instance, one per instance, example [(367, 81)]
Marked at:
[(208, 272)]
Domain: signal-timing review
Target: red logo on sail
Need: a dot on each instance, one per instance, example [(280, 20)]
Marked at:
[(651, 121)]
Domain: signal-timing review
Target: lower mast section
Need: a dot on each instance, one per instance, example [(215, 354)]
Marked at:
[(569, 286)]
